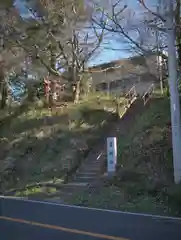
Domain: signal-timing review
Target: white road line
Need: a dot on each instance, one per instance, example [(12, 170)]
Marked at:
[(94, 209)]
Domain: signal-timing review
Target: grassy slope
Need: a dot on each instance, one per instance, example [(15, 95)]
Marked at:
[(144, 179), (45, 144)]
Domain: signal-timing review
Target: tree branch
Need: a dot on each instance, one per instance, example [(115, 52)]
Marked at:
[(142, 2)]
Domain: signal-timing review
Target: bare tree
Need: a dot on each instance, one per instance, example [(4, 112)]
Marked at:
[(54, 38), (178, 32), (168, 24), (160, 20), (11, 56), (142, 32)]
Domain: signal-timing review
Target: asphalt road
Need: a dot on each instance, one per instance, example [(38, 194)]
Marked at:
[(31, 220)]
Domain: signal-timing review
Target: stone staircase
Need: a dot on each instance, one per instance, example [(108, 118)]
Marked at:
[(90, 170), (84, 176)]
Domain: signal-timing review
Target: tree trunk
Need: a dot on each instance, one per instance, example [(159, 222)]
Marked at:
[(161, 76), (178, 32), (77, 92), (4, 98), (52, 97), (4, 94), (3, 87)]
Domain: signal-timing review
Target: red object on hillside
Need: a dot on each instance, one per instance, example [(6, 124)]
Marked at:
[(46, 86)]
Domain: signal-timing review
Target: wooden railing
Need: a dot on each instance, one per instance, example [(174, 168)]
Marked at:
[(148, 93), (130, 97)]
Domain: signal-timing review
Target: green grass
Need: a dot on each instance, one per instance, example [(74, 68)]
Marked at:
[(156, 116), (35, 191), (144, 177), (46, 144), (116, 199), (149, 139)]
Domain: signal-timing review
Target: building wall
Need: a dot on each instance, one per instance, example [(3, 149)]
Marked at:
[(136, 71), (127, 69)]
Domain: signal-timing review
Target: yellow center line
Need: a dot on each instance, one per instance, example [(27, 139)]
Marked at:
[(59, 228)]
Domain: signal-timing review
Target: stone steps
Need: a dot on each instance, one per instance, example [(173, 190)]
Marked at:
[(92, 164), (76, 184), (83, 179), (91, 168), (88, 168), (88, 173), (85, 176)]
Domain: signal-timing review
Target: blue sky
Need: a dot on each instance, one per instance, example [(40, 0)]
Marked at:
[(105, 55), (110, 55)]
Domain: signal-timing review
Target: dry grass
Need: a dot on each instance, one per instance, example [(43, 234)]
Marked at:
[(45, 144), (144, 178)]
